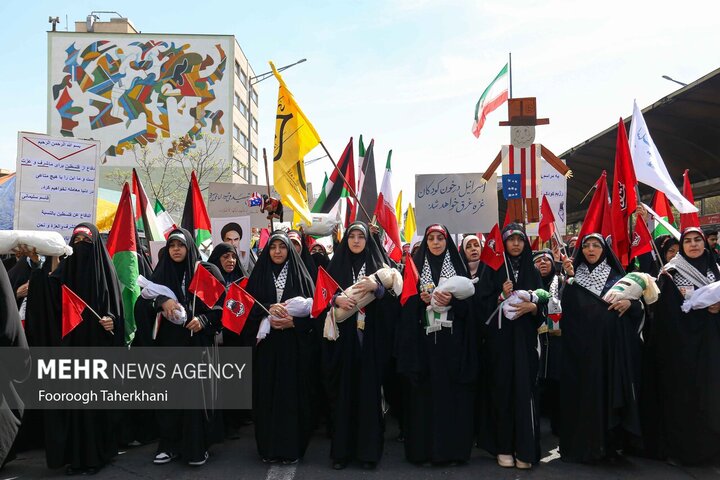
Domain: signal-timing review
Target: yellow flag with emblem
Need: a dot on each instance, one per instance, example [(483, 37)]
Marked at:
[(398, 210), (294, 138), (410, 226)]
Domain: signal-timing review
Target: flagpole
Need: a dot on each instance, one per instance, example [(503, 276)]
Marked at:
[(510, 73), (349, 187), (96, 314), (267, 180)]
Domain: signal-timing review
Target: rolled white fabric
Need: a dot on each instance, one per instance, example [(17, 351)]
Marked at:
[(46, 243), (460, 288), (703, 297), (296, 307), (151, 290)]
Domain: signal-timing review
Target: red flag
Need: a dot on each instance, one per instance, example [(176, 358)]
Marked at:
[(195, 217), (641, 239), (535, 244), (236, 309), (206, 287), (493, 253), (264, 237), (122, 233), (507, 220), (243, 282), (624, 196), (72, 310), (598, 218), (661, 205), (410, 280), (688, 219), (546, 229), (325, 288)]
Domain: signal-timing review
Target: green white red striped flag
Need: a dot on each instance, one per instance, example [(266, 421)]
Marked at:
[(385, 215), (494, 95)]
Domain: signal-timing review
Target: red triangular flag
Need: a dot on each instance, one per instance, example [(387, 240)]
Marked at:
[(410, 280), (624, 195), (72, 310), (195, 217), (206, 287), (661, 205), (264, 237), (688, 219), (325, 288), (493, 253), (546, 229), (597, 218), (535, 244), (236, 309), (122, 233), (507, 220), (243, 282), (641, 239)]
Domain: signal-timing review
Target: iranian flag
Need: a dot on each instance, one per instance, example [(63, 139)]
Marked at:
[(385, 214), (145, 218), (123, 250), (494, 95), (195, 218), (164, 220)]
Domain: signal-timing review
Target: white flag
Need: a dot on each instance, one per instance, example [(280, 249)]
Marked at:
[(649, 166)]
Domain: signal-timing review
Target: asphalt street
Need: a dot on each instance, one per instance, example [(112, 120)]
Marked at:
[(238, 459)]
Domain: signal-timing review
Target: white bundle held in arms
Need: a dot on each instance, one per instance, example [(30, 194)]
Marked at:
[(633, 286), (390, 278), (703, 297), (296, 307), (151, 290), (460, 288), (45, 243)]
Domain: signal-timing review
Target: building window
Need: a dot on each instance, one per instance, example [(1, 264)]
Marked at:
[(238, 101), (240, 105), (254, 123), (243, 140), (254, 179), (243, 78), (254, 95), (238, 70), (254, 151), (236, 132)]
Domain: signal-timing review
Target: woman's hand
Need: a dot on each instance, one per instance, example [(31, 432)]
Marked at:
[(22, 291), (714, 308), (507, 288), (525, 307), (621, 306), (107, 323), (278, 310), (365, 285), (282, 323), (344, 302), (194, 325), (425, 297), (169, 308), (442, 299), (568, 266)]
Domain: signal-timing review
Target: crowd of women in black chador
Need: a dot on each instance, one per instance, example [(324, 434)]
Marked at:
[(616, 377)]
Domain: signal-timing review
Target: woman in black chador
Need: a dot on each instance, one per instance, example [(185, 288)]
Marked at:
[(354, 363), (600, 372), (438, 355), (225, 258), (85, 440), (186, 433), (509, 425), (282, 370), (687, 355)]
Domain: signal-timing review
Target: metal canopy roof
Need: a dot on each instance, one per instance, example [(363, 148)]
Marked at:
[(685, 126)]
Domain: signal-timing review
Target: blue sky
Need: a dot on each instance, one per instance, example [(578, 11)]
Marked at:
[(408, 72)]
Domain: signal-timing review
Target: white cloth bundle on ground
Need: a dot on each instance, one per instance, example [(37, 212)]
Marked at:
[(46, 243), (703, 297), (296, 307), (633, 286)]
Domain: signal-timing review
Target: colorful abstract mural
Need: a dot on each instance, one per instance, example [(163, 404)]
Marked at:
[(130, 90)]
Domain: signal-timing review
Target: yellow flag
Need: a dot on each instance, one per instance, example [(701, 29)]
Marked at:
[(294, 138), (398, 210), (410, 225)]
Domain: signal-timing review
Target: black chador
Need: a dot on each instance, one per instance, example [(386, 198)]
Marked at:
[(687, 360), (187, 433), (599, 381), (438, 355), (84, 439), (354, 363), (510, 359), (283, 369)]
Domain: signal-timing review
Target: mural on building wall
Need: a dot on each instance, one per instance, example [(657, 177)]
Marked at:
[(129, 93)]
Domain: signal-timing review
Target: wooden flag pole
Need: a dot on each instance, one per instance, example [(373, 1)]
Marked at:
[(98, 316), (349, 187), (267, 180)]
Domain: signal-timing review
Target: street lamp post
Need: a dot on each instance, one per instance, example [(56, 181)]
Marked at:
[(250, 82), (673, 80)]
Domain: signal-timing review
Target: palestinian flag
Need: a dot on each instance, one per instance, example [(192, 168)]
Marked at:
[(494, 95), (385, 214), (661, 205), (145, 218), (367, 184), (165, 221), (122, 247), (195, 218), (334, 188)]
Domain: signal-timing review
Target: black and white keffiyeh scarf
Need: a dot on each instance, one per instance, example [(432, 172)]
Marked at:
[(447, 271), (594, 280), (686, 275), (280, 281), (360, 274)]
